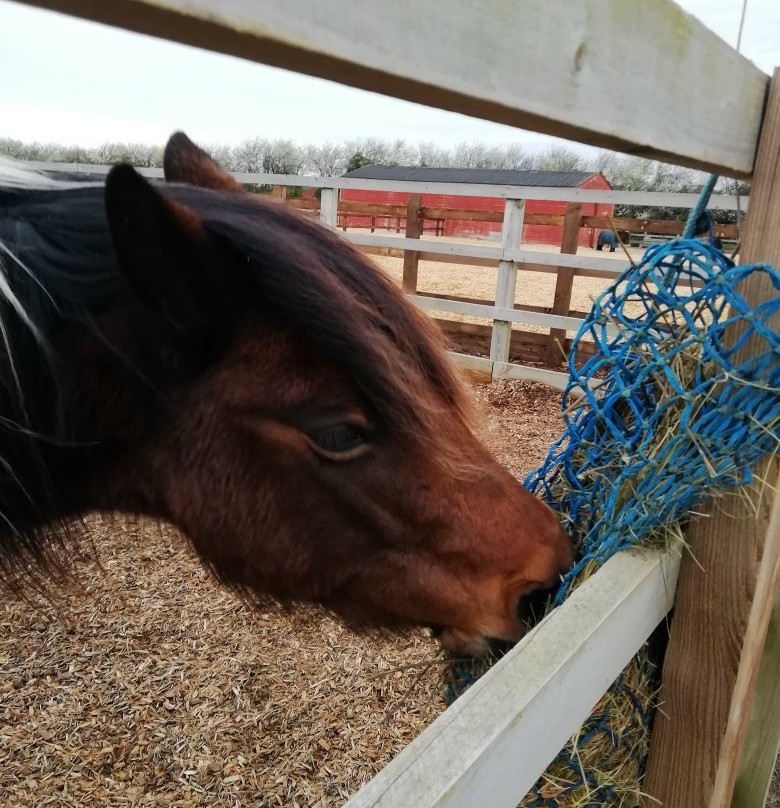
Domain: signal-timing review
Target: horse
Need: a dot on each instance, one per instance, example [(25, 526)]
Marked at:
[(189, 352), (607, 239)]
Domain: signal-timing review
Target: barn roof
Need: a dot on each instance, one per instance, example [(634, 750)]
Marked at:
[(487, 176)]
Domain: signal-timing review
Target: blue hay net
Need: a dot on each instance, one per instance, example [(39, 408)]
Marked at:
[(643, 446)]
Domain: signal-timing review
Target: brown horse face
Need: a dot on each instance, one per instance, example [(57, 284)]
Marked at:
[(326, 506), (285, 473)]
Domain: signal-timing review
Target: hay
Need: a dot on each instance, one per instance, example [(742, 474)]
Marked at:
[(682, 418), (153, 686)]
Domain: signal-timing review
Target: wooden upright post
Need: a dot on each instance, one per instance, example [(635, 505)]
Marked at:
[(511, 236), (329, 207), (414, 226), (726, 596), (565, 280)]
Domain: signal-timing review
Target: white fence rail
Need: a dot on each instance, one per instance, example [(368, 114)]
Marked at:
[(490, 746), (509, 257), (550, 67)]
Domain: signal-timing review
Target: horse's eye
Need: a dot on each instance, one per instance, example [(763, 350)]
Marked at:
[(339, 442)]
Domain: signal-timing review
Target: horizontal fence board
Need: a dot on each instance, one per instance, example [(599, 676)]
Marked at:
[(640, 198), (490, 746), (571, 59), (513, 370), (427, 245), (497, 313), (532, 257)]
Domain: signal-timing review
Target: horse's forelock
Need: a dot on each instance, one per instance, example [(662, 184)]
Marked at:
[(332, 297)]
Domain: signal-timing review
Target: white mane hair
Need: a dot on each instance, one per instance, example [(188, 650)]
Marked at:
[(16, 174)]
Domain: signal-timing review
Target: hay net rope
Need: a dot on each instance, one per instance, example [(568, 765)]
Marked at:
[(669, 413)]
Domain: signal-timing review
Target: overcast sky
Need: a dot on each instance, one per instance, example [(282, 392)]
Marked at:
[(75, 82)]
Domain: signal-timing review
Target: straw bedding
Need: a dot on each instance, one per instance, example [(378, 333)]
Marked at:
[(146, 684)]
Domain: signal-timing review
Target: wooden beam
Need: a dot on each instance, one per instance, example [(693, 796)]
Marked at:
[(411, 51), (414, 227), (329, 207), (500, 314), (728, 586), (761, 738), (511, 236), (511, 370), (565, 281), (490, 746)]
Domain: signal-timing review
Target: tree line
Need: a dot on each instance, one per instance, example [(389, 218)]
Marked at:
[(283, 156)]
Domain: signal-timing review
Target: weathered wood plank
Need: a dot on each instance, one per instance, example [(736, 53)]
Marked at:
[(515, 315), (726, 595), (521, 256), (469, 61), (565, 280), (489, 747), (474, 368), (329, 207), (761, 737), (414, 228), (512, 370), (506, 280)]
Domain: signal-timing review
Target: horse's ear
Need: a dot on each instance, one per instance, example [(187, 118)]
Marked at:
[(163, 251), (183, 161)]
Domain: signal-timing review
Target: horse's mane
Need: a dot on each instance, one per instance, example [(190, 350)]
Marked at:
[(57, 262)]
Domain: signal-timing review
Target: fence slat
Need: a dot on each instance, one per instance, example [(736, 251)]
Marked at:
[(413, 51), (565, 280), (640, 198), (489, 747), (506, 280), (414, 228), (500, 314), (329, 207)]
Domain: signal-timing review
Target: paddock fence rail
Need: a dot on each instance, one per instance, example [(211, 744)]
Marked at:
[(498, 343)]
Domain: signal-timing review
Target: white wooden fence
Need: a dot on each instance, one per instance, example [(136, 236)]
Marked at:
[(644, 78), (510, 257)]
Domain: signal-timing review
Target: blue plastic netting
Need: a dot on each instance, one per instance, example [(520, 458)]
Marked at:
[(671, 411), (664, 407)]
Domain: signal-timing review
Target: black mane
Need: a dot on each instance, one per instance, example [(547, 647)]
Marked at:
[(58, 260)]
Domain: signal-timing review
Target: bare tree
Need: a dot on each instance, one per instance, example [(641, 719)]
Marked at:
[(560, 158), (327, 160)]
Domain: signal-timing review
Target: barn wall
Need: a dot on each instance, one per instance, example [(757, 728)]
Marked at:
[(545, 234)]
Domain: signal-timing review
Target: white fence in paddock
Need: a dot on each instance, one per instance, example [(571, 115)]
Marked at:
[(675, 91), (510, 257)]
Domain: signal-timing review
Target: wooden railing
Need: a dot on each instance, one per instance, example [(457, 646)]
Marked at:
[(500, 342)]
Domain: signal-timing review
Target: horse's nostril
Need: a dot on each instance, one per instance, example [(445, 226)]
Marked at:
[(532, 606)]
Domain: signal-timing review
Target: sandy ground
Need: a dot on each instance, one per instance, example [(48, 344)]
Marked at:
[(533, 288)]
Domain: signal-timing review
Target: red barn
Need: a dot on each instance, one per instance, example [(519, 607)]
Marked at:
[(549, 234)]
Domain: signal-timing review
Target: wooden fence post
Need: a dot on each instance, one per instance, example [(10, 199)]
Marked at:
[(726, 596), (511, 236), (414, 226), (329, 207), (565, 280), (279, 192)]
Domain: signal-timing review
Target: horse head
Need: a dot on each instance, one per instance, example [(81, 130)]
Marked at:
[(256, 381)]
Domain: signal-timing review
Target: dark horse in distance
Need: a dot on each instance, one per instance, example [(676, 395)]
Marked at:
[(187, 351)]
